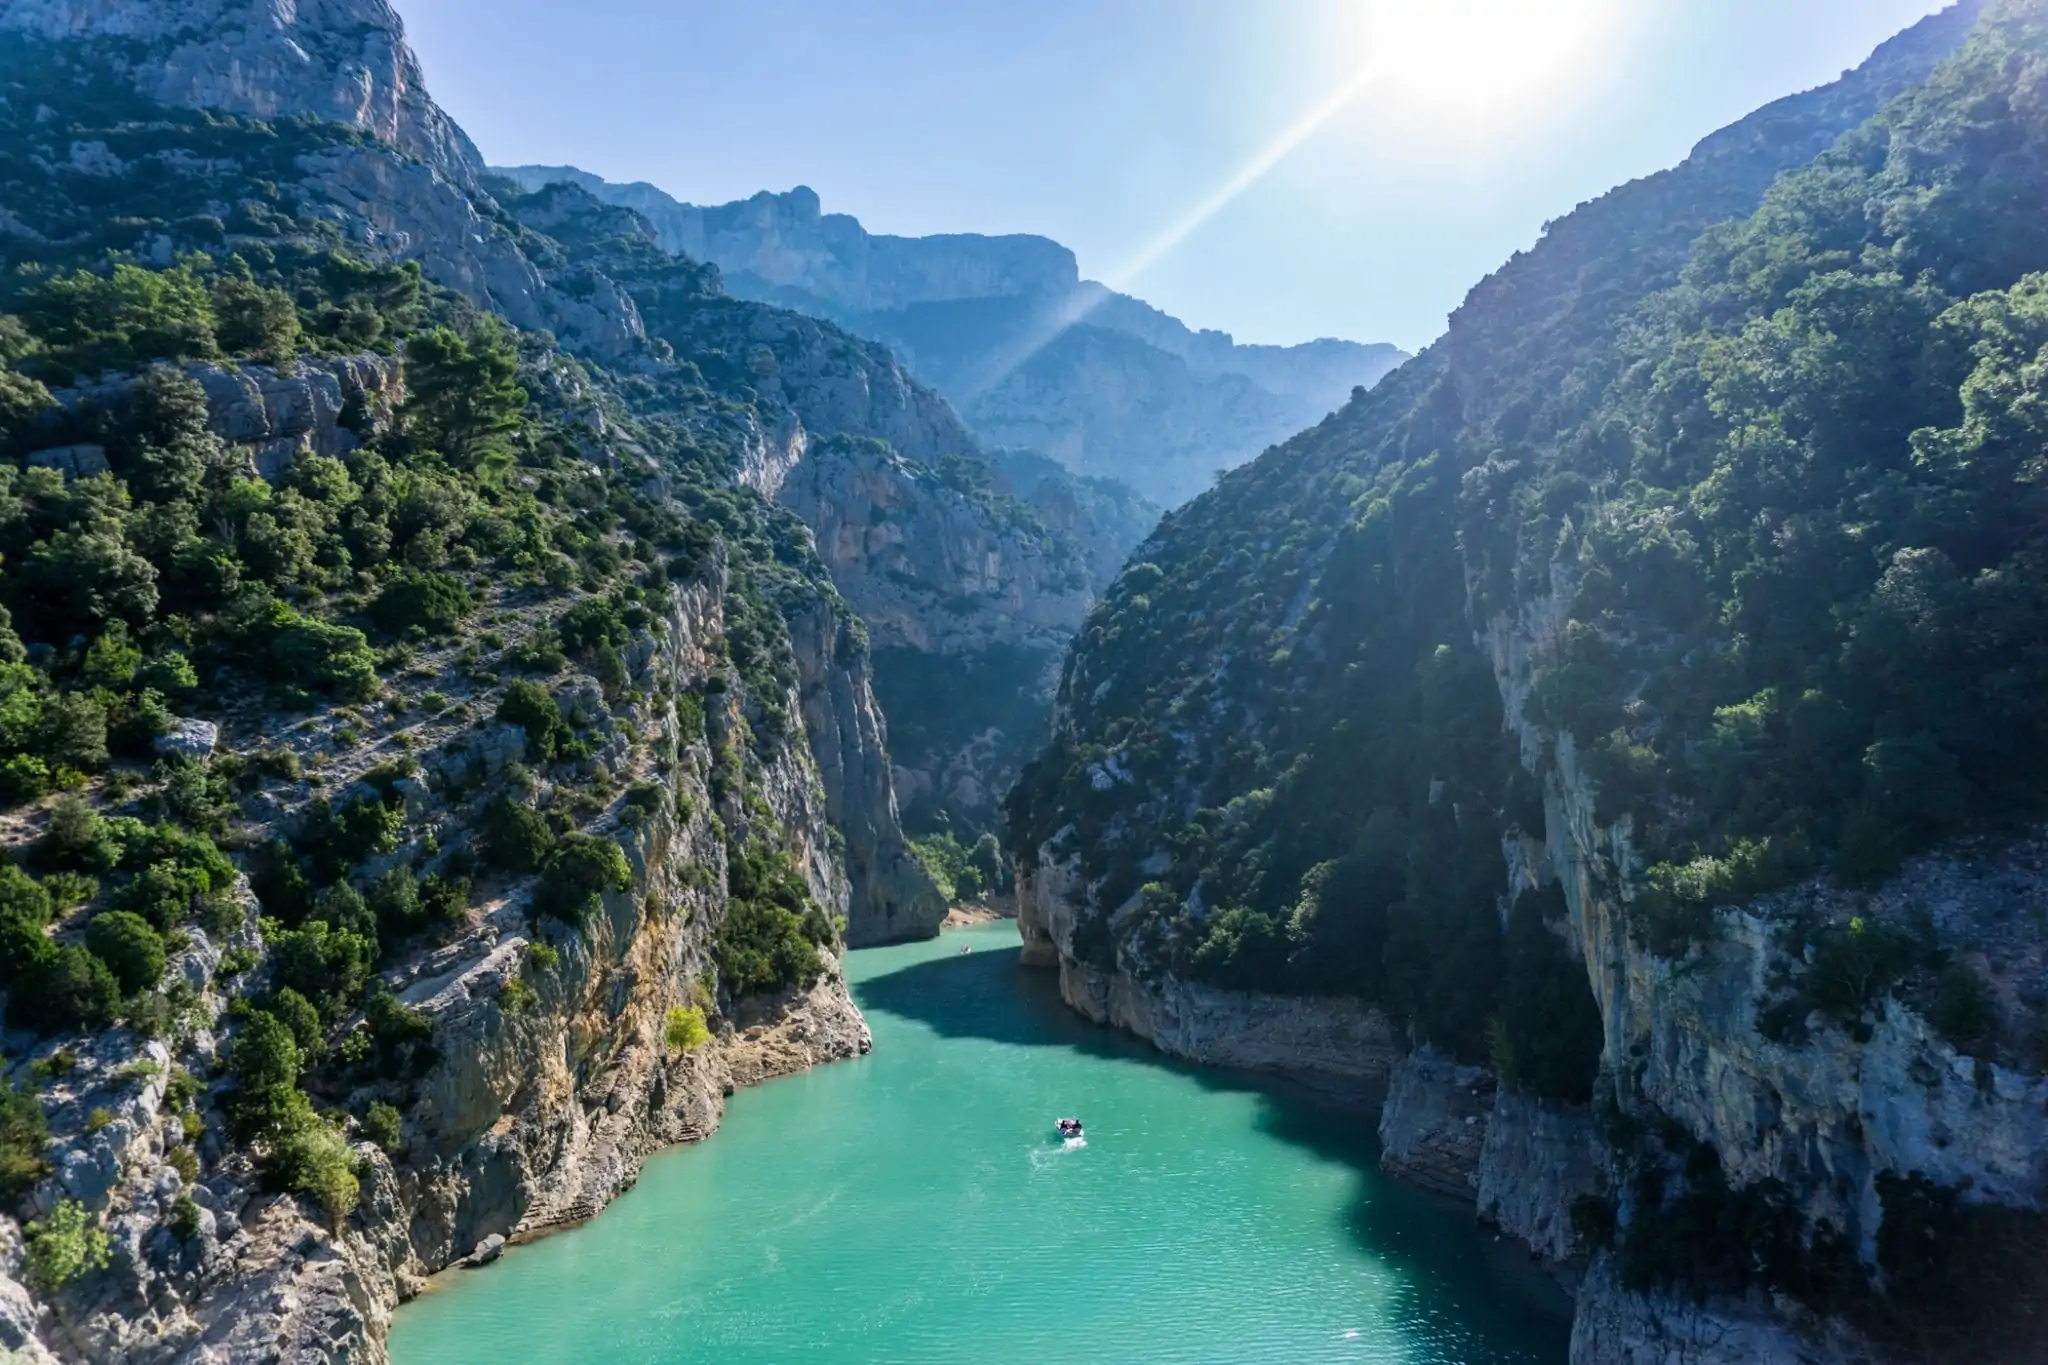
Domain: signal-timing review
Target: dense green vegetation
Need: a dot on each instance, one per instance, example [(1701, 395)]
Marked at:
[(773, 929), (1750, 456), (962, 872), (1789, 474), (155, 574)]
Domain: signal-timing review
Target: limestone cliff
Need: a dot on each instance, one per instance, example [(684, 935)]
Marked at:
[(517, 1051), (1032, 355), (1389, 748), (342, 60), (543, 1103), (960, 563)]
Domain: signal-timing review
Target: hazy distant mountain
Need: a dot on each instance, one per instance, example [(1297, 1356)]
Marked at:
[(1031, 354)]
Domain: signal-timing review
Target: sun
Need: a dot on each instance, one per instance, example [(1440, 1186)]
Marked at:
[(1479, 58)]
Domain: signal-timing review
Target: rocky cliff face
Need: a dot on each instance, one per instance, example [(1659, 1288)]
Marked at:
[(1031, 355), (924, 565), (342, 60), (890, 897), (948, 554), (1349, 1041), (1755, 1055), (787, 249), (542, 1105), (549, 1055), (315, 407)]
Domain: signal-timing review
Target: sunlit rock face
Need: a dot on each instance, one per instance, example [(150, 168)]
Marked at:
[(344, 60)]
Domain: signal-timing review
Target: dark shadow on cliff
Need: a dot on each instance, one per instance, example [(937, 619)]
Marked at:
[(987, 994)]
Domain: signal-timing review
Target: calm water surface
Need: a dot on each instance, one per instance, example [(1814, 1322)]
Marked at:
[(912, 1207)]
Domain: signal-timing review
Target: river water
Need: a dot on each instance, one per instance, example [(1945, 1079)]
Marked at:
[(914, 1207)]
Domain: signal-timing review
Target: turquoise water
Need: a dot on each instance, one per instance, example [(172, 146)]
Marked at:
[(914, 1207)]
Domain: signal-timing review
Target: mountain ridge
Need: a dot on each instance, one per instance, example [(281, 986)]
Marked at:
[(1032, 354)]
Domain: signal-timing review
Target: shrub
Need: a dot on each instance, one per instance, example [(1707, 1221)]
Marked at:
[(402, 1039), (685, 1030), (1853, 967), (132, 950), (171, 674), (24, 1139), (279, 883), (164, 894), (65, 1245), (579, 871), (592, 624), (22, 897), (383, 1126), (69, 890), (253, 321), (298, 1014), (762, 947), (183, 1221), (1242, 950), (78, 838), (515, 837), (65, 988), (328, 966), (310, 1156), (433, 603), (327, 658), (529, 706), (336, 838)]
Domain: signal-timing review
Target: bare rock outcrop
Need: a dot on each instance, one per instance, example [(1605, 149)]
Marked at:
[(1434, 1124), (344, 60)]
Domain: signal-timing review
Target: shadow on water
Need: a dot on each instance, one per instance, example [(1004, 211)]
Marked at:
[(989, 995)]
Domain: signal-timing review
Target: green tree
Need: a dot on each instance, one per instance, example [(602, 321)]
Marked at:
[(309, 1155), (253, 321), (328, 966), (64, 989), (461, 393), (385, 1126), (132, 950), (264, 1062), (123, 319)]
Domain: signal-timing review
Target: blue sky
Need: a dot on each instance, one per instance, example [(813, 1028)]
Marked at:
[(1103, 123)]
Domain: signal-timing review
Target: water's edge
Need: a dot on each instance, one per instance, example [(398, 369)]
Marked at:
[(1275, 1174)]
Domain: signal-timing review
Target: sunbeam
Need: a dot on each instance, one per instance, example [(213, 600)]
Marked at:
[(1082, 304), (1462, 61)]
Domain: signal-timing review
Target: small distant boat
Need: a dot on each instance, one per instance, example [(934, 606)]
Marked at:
[(1069, 1128)]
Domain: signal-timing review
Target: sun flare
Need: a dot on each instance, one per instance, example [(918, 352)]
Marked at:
[(1479, 57)]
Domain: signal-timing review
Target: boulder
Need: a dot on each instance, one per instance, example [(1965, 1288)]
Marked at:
[(488, 1250), (188, 739)]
